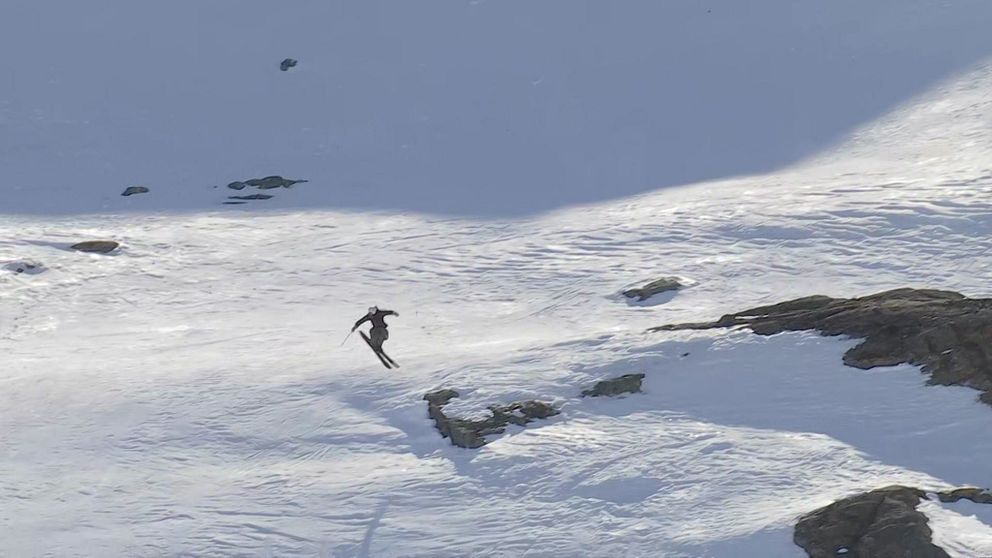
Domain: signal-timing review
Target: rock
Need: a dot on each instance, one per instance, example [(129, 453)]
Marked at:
[(96, 246), (657, 286), (30, 268), (267, 183), (471, 433), (131, 190), (287, 64), (251, 197), (628, 383), (234, 203), (883, 523), (944, 332), (976, 495), (270, 182)]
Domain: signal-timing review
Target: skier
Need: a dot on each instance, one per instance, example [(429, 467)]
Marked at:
[(378, 334)]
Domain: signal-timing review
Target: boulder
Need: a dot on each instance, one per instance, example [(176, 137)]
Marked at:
[(251, 197), (287, 64), (96, 246), (883, 523), (471, 433), (943, 332), (628, 383)]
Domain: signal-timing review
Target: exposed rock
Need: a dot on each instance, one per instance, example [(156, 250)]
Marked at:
[(657, 286), (30, 268), (883, 523), (251, 197), (287, 64), (96, 246), (267, 183), (471, 433), (270, 182), (234, 203), (131, 190), (944, 332), (976, 495), (628, 383)]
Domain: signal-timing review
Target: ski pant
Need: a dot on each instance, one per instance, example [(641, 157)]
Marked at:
[(377, 335)]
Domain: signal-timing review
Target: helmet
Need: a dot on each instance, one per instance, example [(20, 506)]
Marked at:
[(373, 309)]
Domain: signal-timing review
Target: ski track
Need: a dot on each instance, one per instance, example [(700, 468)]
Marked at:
[(186, 396)]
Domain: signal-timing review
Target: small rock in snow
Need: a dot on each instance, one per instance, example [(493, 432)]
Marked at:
[(471, 433), (657, 286), (287, 64), (270, 182), (30, 268), (976, 495), (134, 190), (628, 383), (96, 246)]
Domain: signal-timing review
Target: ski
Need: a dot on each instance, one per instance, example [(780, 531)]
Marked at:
[(377, 353), (389, 358)]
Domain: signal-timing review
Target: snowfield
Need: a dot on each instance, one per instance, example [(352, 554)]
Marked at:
[(187, 394)]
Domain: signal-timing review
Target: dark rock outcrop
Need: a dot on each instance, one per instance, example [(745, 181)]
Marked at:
[(251, 197), (287, 64), (471, 433), (628, 383), (655, 287), (96, 246), (267, 183), (946, 333), (883, 523), (30, 268), (131, 190), (976, 495), (270, 182)]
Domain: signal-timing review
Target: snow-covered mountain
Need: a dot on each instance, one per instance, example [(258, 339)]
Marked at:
[(496, 172)]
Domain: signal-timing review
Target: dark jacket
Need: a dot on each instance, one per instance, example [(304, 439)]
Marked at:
[(376, 319)]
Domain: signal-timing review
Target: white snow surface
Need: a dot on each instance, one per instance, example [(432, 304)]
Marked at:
[(187, 395)]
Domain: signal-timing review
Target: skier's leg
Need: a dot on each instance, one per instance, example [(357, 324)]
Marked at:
[(378, 335)]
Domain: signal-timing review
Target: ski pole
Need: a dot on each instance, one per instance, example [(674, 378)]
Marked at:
[(346, 338)]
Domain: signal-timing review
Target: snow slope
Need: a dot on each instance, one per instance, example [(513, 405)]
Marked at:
[(187, 396)]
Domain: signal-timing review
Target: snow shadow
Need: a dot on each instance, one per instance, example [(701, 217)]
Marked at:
[(470, 108), (797, 382)]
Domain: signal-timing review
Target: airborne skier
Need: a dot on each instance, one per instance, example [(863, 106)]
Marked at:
[(378, 334)]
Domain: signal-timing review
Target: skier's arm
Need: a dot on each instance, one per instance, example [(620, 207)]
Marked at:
[(390, 313), (360, 322)]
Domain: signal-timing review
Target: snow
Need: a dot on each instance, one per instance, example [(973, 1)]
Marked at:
[(187, 395)]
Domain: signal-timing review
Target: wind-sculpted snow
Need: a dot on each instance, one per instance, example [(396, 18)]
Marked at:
[(185, 394)]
